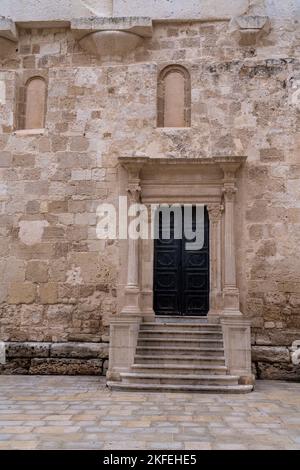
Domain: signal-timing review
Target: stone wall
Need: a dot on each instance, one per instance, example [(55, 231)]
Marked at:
[(58, 281), (55, 358)]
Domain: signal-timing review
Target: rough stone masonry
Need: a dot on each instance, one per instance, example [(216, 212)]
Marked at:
[(58, 281)]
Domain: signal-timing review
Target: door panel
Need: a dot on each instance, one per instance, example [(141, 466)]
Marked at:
[(181, 276)]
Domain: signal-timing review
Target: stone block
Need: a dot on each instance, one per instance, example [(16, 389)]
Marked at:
[(277, 337), (79, 350), (48, 49), (271, 154), (37, 271), (81, 175), (58, 207), (23, 160), (32, 207), (270, 354), (85, 337), (79, 144), (278, 371), (53, 233), (14, 269), (5, 159), (21, 293), (27, 349), (15, 366), (48, 293), (53, 366), (77, 233), (294, 300), (59, 315)]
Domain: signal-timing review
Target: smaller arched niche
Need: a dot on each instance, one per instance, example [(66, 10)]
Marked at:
[(174, 97), (35, 103)]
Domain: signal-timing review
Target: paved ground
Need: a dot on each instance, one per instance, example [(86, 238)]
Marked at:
[(80, 413)]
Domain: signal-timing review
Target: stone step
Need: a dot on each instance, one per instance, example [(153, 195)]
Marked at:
[(181, 333), (177, 379), (178, 343), (180, 319), (180, 360), (186, 326), (182, 351), (179, 369), (146, 387)]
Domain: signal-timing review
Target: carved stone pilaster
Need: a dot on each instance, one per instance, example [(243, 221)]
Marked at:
[(132, 289), (230, 290), (229, 192), (215, 212), (147, 255)]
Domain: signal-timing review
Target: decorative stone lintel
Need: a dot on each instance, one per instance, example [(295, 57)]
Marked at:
[(138, 25), (249, 29), (228, 163), (8, 29)]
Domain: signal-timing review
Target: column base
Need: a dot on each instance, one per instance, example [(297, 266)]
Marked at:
[(228, 312), (231, 299), (148, 313), (124, 331), (214, 316), (131, 301), (237, 344)]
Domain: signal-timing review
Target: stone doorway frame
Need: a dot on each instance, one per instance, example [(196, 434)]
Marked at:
[(210, 181)]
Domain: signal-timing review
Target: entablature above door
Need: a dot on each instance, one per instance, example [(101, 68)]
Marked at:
[(183, 180)]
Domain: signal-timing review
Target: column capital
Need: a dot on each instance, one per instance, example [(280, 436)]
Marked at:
[(134, 192), (134, 189), (215, 211), (229, 191), (230, 167)]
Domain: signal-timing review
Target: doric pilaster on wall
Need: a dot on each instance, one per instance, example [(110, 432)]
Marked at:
[(215, 212)]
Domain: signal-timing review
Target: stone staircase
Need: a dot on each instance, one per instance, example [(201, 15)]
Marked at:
[(181, 356)]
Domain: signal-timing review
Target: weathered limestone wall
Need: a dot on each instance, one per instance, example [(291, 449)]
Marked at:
[(58, 281)]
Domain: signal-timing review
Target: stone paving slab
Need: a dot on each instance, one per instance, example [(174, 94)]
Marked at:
[(59, 412)]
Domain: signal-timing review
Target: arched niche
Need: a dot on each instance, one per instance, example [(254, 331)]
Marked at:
[(35, 103), (174, 97)]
